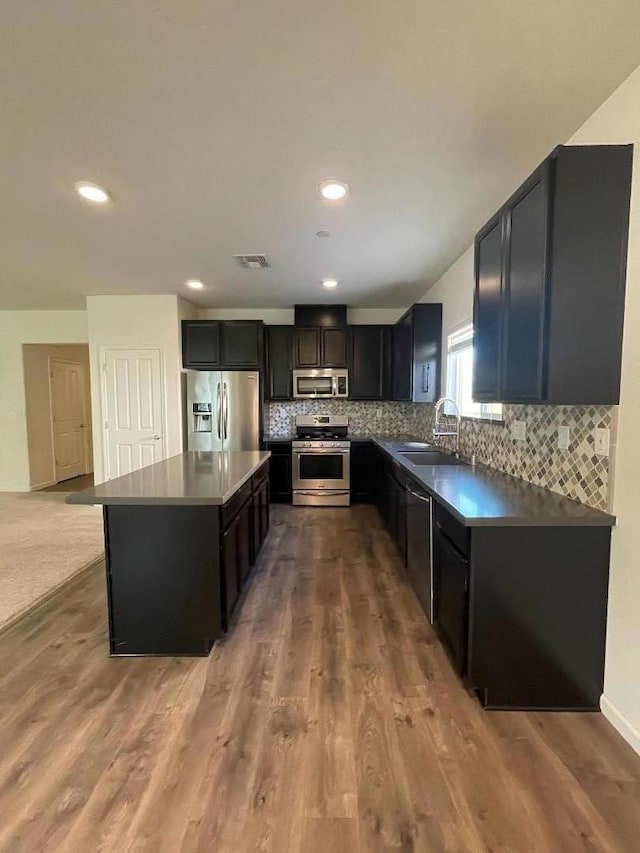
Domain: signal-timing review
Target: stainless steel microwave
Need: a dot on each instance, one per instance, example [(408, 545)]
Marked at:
[(320, 383)]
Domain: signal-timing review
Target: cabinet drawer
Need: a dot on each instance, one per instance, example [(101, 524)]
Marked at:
[(232, 507), (455, 530)]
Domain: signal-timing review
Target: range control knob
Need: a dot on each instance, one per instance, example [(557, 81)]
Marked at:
[(307, 444), (333, 444)]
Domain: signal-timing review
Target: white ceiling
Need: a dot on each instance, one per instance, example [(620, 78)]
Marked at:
[(212, 123)]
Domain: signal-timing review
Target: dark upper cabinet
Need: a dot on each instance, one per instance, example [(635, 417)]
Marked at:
[(334, 347), (201, 343), (550, 276), (279, 346), (488, 312), (417, 354), (369, 362), (242, 343), (215, 344), (320, 347), (307, 347)]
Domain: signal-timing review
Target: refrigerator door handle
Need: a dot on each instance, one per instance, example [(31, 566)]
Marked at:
[(218, 410), (225, 409)]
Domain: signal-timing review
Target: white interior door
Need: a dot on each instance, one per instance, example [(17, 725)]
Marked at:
[(134, 425), (68, 412)]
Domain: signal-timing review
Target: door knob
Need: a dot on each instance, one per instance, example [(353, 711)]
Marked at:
[(156, 438)]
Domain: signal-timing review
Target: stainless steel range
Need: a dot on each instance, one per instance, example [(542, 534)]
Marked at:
[(321, 459)]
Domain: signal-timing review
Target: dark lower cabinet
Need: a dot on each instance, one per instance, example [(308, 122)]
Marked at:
[(176, 573), (451, 586), (521, 610), (281, 489), (363, 472)]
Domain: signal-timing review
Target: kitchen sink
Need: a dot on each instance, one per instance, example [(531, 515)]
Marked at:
[(430, 457), (402, 446)]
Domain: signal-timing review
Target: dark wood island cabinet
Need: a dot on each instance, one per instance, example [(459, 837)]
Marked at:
[(181, 537)]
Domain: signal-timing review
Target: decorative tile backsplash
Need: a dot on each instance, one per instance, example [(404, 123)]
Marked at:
[(364, 418), (576, 472)]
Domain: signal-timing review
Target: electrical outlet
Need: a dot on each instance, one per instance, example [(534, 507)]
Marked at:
[(601, 441), (518, 430), (378, 413), (564, 437)]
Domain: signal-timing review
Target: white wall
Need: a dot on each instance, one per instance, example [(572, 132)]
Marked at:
[(17, 328), (137, 322), (617, 121), (455, 291), (284, 316)]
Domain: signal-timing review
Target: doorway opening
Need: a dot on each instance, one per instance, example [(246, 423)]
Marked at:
[(58, 409)]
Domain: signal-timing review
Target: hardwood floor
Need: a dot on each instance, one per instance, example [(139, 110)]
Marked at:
[(330, 720), (75, 484)]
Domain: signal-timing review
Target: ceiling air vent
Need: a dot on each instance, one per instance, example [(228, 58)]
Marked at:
[(253, 262)]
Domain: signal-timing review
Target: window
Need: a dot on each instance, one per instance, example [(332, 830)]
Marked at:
[(460, 374)]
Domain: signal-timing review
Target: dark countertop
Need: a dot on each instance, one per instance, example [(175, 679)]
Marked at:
[(483, 497), (191, 478), (277, 439)]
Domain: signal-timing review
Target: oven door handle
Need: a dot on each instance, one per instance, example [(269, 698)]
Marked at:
[(307, 451)]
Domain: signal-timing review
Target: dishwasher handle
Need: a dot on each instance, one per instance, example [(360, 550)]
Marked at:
[(426, 500)]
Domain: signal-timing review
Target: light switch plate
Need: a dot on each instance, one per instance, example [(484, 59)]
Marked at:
[(601, 441), (564, 437), (518, 430)]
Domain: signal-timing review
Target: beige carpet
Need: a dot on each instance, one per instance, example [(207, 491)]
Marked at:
[(43, 542)]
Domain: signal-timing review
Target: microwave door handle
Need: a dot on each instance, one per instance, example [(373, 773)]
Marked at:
[(334, 385)]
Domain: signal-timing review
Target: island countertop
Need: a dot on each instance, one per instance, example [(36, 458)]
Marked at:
[(190, 478)]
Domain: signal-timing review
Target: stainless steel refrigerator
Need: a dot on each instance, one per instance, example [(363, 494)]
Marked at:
[(223, 410)]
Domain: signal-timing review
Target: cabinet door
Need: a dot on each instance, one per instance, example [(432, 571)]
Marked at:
[(427, 352), (245, 541), (334, 347), (525, 291), (230, 565), (366, 374), (488, 304), (451, 573), (265, 512), (201, 343), (279, 362), (362, 461), (403, 358), (241, 343), (307, 347), (280, 473)]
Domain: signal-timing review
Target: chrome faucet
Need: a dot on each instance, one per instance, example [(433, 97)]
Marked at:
[(445, 424)]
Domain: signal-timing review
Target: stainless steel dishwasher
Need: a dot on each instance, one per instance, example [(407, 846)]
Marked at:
[(420, 545)]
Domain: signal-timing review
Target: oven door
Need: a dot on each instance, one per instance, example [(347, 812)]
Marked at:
[(324, 468)]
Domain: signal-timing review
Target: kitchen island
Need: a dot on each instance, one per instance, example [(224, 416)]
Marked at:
[(181, 537)]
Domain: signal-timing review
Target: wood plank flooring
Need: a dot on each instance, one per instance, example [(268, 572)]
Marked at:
[(330, 720)]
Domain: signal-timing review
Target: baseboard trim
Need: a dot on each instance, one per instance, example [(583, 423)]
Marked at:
[(46, 485), (620, 723), (51, 593)]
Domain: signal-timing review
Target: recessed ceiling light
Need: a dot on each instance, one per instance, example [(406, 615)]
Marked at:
[(92, 192), (323, 233), (333, 190), (329, 283), (195, 284)]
